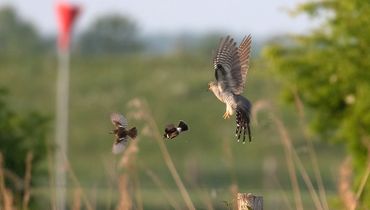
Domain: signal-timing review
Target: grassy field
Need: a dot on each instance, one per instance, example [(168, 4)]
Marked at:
[(208, 159)]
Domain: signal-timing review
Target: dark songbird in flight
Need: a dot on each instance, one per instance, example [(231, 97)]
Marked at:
[(121, 133), (231, 64), (171, 131)]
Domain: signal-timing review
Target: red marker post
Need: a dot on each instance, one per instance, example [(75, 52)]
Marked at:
[(66, 14)]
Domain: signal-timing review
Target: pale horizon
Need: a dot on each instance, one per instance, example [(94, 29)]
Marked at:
[(263, 18)]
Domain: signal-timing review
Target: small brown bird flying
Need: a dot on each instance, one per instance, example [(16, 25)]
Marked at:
[(171, 131), (121, 133), (231, 64)]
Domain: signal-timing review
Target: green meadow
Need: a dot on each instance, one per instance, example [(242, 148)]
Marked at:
[(310, 118), (211, 163)]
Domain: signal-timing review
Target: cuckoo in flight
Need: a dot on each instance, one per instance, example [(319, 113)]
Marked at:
[(231, 65), (121, 132)]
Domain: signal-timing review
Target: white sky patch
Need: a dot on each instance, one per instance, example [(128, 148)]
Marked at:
[(263, 17)]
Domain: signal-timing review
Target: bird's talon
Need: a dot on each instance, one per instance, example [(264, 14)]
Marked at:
[(226, 115)]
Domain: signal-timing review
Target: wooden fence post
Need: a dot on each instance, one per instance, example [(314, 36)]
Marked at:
[(249, 202)]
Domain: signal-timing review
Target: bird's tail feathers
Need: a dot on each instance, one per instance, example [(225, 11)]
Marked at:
[(132, 133), (243, 110), (183, 126), (243, 104)]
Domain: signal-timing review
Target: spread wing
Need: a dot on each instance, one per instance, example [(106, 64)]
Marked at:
[(118, 120), (244, 52), (118, 147), (231, 64)]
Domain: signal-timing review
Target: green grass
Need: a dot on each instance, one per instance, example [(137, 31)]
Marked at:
[(175, 87)]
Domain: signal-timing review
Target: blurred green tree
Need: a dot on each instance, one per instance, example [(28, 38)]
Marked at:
[(110, 34), (196, 44), (20, 134), (16, 35), (329, 68)]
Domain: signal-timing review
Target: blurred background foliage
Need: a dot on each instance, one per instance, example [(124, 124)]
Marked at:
[(110, 34), (113, 62), (22, 134), (16, 35), (329, 69)]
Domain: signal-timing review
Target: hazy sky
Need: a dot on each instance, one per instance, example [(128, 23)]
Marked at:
[(259, 17)]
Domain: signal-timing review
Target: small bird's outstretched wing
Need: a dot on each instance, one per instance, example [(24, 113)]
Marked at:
[(119, 146), (118, 120), (231, 64)]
